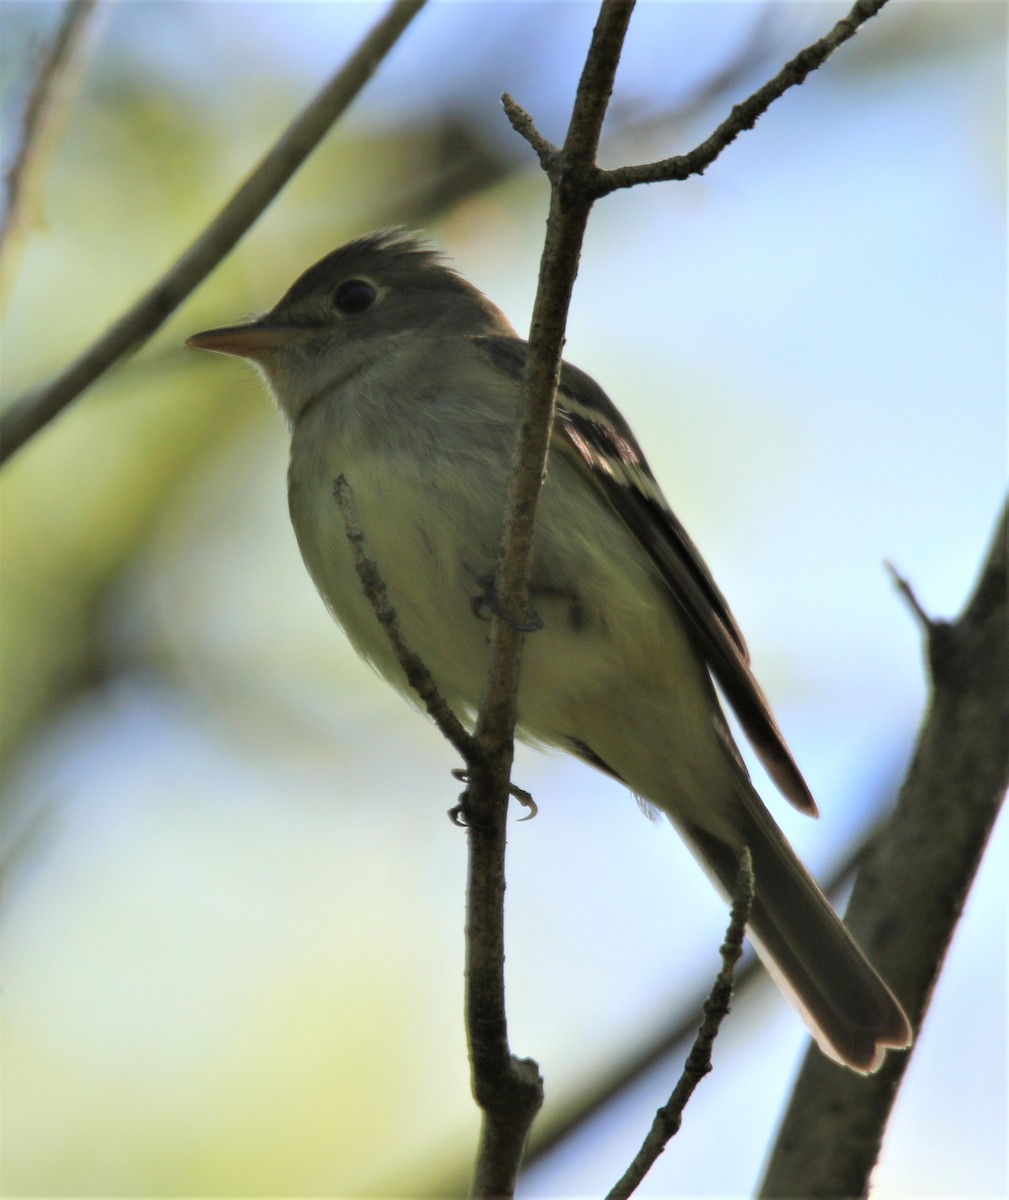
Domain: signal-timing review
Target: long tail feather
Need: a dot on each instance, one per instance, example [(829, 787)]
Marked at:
[(851, 1012)]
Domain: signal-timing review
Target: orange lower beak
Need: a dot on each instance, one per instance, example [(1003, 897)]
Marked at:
[(254, 341)]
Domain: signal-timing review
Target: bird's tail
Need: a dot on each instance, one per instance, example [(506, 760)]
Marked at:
[(814, 959)]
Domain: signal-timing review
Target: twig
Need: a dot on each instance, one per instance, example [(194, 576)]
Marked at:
[(910, 892), (716, 1008), (24, 418), (752, 54), (745, 115), (598, 182), (523, 125), (45, 112), (590, 1097), (913, 603), (373, 586)]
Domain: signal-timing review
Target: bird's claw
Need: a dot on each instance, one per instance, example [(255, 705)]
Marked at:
[(487, 599), (457, 814)]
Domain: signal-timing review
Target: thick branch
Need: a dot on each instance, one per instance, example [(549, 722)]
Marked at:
[(24, 418), (910, 892)]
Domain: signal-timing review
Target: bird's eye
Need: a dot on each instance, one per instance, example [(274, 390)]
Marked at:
[(354, 296)]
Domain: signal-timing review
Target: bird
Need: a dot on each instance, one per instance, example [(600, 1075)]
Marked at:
[(394, 371)]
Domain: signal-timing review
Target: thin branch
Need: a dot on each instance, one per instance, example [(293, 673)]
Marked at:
[(44, 116), (569, 210), (716, 1008), (602, 1085), (518, 1088), (751, 55), (566, 222), (598, 182), (576, 182), (593, 1096), (907, 591), (373, 586), (523, 125), (508, 1089), (910, 892), (745, 115), (25, 417)]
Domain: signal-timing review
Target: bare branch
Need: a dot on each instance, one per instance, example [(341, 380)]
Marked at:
[(602, 1086), (591, 1096), (523, 125), (907, 591), (508, 1089), (745, 115), (569, 209), (576, 182), (910, 892), (373, 586), (520, 794), (511, 1088), (716, 1008), (48, 103), (25, 417)]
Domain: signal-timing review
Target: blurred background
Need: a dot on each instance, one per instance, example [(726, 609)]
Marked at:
[(234, 904)]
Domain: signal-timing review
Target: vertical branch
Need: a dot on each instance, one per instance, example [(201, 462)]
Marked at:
[(508, 1089), (572, 171), (576, 183)]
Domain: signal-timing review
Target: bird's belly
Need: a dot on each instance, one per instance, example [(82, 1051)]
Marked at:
[(610, 668), (435, 551), (429, 553)]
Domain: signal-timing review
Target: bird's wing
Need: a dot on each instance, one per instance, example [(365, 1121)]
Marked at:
[(590, 431)]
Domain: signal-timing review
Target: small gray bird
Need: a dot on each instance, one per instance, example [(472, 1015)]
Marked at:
[(394, 371)]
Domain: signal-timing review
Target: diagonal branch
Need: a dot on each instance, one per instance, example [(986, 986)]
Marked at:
[(910, 892), (745, 115), (598, 182), (373, 585), (570, 204), (45, 112), (26, 416), (590, 1097), (716, 1008)]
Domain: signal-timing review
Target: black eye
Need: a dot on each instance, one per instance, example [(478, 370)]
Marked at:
[(354, 296)]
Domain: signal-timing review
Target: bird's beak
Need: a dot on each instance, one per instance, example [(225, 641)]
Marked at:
[(255, 340)]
